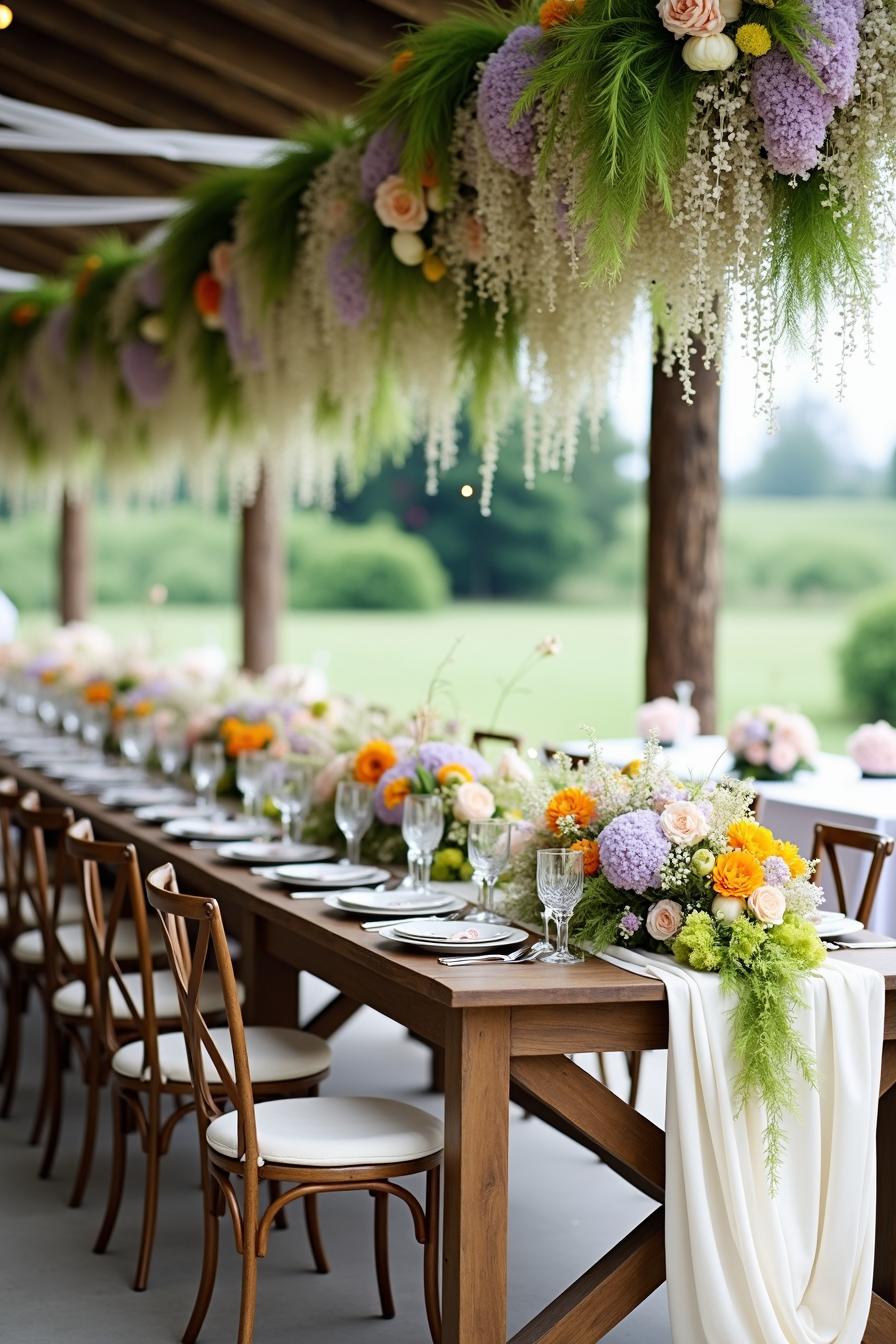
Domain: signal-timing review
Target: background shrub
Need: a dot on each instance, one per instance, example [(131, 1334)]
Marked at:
[(868, 661), (333, 566)]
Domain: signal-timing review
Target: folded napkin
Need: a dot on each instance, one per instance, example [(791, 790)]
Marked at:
[(744, 1267)]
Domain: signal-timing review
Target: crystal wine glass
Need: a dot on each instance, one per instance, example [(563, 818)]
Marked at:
[(94, 728), (561, 878), (207, 767), (422, 824), (289, 781), (488, 849), (171, 748), (251, 768), (137, 738), (354, 813)]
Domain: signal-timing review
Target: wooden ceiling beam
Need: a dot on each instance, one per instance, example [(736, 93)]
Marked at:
[(25, 249), (353, 34), (85, 29), (236, 51), (418, 11), (97, 174)]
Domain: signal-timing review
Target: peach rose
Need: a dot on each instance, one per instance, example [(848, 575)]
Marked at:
[(221, 262), (473, 238), (783, 756), (664, 919), (398, 207), (691, 18), (767, 905), (474, 802), (684, 823)]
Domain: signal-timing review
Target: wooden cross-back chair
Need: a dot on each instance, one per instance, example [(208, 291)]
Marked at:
[(482, 736), (828, 839), (578, 759), (285, 1141)]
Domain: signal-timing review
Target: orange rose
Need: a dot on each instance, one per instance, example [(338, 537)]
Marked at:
[(575, 803), (373, 760), (590, 855), (755, 839), (737, 874), (395, 792), (98, 693), (207, 295), (787, 850), (554, 12)]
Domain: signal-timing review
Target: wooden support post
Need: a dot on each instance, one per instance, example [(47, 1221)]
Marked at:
[(261, 577), (684, 493), (74, 560)]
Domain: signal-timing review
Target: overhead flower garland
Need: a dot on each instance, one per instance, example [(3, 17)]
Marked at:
[(516, 188)]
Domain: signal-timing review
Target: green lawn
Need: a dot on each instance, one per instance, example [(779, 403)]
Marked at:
[(784, 654)]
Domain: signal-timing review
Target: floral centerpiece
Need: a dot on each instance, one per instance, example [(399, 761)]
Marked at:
[(684, 869), (873, 748), (772, 743)]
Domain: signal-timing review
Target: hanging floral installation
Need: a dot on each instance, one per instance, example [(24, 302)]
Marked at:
[(516, 188)]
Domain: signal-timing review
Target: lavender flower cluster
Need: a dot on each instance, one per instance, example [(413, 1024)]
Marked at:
[(381, 158), (504, 80), (347, 279), (145, 372), (633, 850), (242, 344), (795, 112)]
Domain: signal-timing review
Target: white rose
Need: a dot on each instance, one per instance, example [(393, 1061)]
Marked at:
[(684, 823), (727, 909), (512, 767), (474, 802), (664, 919), (767, 905)]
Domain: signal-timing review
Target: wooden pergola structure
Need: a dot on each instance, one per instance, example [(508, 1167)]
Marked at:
[(255, 69)]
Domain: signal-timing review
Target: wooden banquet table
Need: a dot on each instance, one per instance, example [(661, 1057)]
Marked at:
[(506, 1033)]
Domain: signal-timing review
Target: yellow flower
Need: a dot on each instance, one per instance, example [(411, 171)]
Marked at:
[(452, 773), (755, 839), (633, 768), (373, 760), (575, 803), (737, 874), (590, 856), (754, 39), (433, 268), (396, 791), (787, 850)]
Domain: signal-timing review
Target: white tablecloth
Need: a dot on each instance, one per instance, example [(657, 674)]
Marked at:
[(834, 793)]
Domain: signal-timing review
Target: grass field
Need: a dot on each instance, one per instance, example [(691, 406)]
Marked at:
[(784, 654)]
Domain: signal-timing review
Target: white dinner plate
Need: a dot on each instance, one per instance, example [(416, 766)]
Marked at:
[(141, 795), (96, 776), (216, 828), (433, 931), (273, 852), (512, 938), (831, 924), (159, 812), (330, 876), (361, 903), (69, 766)]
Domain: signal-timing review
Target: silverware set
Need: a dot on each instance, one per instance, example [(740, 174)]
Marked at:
[(518, 958)]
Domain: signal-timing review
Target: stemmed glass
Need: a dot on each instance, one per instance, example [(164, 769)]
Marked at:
[(422, 824), (137, 738), (171, 748), (289, 781), (488, 849), (207, 767), (94, 727), (251, 769), (354, 813), (561, 878)]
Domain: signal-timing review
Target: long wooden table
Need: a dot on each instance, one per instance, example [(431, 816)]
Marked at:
[(506, 1033)]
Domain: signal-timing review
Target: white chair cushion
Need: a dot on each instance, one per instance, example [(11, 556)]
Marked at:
[(70, 909), (276, 1054), (333, 1132), (71, 1000), (29, 946)]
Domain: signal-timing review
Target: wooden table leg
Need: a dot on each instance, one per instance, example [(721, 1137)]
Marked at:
[(272, 991), (477, 1092)]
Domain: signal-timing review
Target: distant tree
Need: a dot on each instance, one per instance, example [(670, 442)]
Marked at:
[(800, 460)]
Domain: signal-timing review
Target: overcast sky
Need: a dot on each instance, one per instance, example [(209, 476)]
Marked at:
[(866, 418)]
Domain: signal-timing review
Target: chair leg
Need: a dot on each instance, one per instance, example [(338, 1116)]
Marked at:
[(601, 1071), (312, 1224), (431, 1257), (116, 1177), (16, 1002), (381, 1247), (54, 1099), (51, 1064), (88, 1143), (281, 1221), (210, 1225), (634, 1070), (250, 1262), (150, 1195)]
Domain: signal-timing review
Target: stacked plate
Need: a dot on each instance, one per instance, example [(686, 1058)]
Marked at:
[(323, 876), (394, 903), (831, 924), (131, 796), (435, 935), (158, 812), (273, 852), (93, 777), (205, 827)]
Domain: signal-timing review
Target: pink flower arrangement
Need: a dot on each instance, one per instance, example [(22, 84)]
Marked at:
[(667, 720), (873, 748), (772, 743), (691, 18)]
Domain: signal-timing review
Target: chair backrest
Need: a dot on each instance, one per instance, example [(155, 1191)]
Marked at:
[(9, 802), (483, 735), (880, 847), (576, 758), (42, 872), (176, 910), (103, 975)]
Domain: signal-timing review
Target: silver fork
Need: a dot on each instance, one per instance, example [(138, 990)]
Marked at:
[(519, 957)]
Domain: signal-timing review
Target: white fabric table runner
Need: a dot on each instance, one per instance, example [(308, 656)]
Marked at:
[(742, 1267)]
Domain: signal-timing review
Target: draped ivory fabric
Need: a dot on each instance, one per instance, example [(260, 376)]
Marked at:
[(744, 1268)]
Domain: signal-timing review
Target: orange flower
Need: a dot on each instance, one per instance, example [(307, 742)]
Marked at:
[(755, 839), (89, 268), (452, 773), (737, 873), (240, 736), (396, 791), (373, 760), (402, 60), (207, 295), (98, 693), (575, 803), (590, 855), (142, 708), (787, 850), (433, 268), (555, 12), (24, 314), (49, 676), (429, 176)]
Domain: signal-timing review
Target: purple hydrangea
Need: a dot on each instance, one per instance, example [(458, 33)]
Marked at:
[(381, 158), (510, 141), (149, 285), (795, 112), (145, 372), (347, 279), (433, 755), (633, 850), (775, 871), (245, 351)]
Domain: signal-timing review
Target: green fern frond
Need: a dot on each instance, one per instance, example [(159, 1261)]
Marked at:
[(89, 327), (211, 206)]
